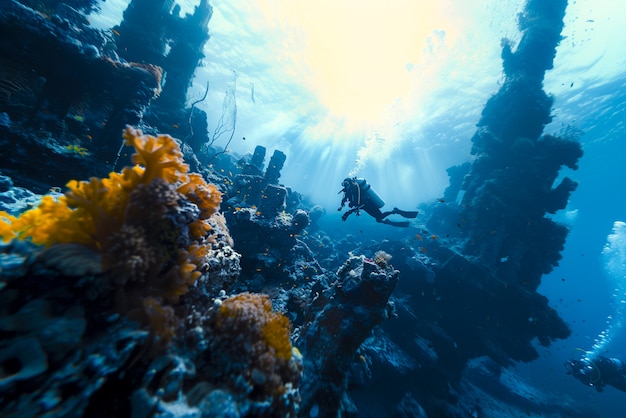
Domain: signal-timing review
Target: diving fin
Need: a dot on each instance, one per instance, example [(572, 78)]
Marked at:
[(403, 224), (405, 213)]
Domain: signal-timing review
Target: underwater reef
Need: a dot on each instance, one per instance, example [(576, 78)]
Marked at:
[(157, 285)]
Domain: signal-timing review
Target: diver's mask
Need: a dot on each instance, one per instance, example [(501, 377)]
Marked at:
[(345, 184)]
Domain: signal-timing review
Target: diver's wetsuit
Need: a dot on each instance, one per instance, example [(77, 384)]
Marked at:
[(359, 195), (599, 372)]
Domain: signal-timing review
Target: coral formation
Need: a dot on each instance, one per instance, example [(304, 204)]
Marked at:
[(337, 322), (254, 313), (246, 338), (149, 223), (381, 259)]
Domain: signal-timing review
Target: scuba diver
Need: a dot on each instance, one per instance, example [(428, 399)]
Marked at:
[(599, 372), (359, 194)]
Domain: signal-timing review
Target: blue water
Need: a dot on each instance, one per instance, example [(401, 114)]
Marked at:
[(583, 287)]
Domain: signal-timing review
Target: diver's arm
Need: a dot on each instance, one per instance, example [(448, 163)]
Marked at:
[(350, 212)]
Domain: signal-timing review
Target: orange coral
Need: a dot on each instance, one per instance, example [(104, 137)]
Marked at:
[(52, 222), (130, 218), (248, 335), (91, 210), (255, 312), (161, 155), (206, 196), (275, 334), (162, 319)]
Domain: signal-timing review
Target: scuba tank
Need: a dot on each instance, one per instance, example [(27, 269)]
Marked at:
[(365, 192)]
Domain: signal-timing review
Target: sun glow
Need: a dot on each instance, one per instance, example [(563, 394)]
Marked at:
[(369, 88), (359, 58), (360, 88)]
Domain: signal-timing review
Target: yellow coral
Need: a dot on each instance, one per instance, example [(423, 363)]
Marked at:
[(160, 155), (8, 226), (275, 334), (90, 211), (246, 334), (205, 196), (256, 311), (125, 218), (51, 222)]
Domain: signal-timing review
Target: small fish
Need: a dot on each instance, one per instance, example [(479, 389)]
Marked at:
[(441, 200), (175, 126), (89, 136), (55, 189), (423, 250), (116, 32), (418, 236), (435, 237)]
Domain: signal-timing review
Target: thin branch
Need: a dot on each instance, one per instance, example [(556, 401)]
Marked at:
[(229, 114), (193, 105)]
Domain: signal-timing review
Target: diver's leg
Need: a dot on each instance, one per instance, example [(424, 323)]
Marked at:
[(404, 213), (383, 215), (374, 212), (380, 218)]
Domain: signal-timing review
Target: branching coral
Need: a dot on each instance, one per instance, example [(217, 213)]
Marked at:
[(150, 222)]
